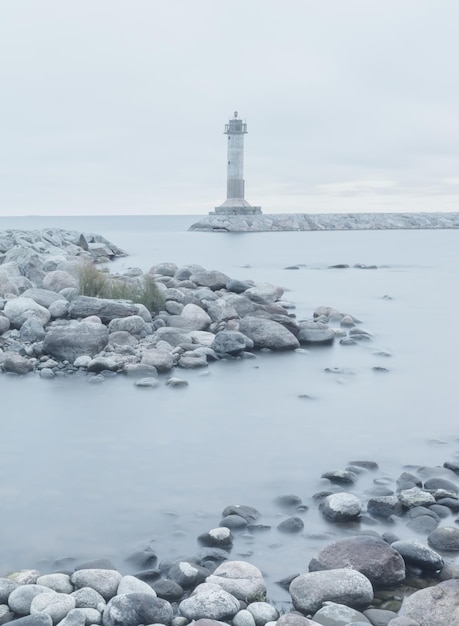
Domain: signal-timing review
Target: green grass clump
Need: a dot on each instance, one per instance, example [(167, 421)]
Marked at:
[(143, 290)]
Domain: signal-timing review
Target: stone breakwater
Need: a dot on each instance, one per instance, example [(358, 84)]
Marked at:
[(374, 577), (48, 327), (325, 221)]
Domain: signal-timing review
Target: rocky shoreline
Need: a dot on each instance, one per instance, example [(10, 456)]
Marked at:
[(325, 221), (48, 327), (364, 577)]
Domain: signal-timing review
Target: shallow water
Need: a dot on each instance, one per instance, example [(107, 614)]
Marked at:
[(100, 470)]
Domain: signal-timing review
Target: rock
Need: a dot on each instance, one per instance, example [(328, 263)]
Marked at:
[(435, 483), (57, 582), (434, 606), (89, 598), (445, 538), (339, 615), (79, 617), (217, 537), (340, 477), (6, 587), (20, 599), (164, 269), (177, 382), (59, 279), (58, 309), (315, 333), (291, 525), (25, 576), (131, 584), (56, 605), (415, 497), (44, 297), (293, 619), (147, 383), (249, 513), (34, 620), (220, 310), (262, 612), (264, 293), (345, 586), (379, 617), (18, 310), (403, 621), (243, 618), (384, 506), (68, 341), (341, 507), (210, 278), (32, 330), (238, 286), (134, 609), (103, 363), (168, 589), (233, 522), (369, 555), (422, 524), (231, 342), (132, 324), (122, 338), (106, 309), (416, 553), (16, 364), (196, 316), (288, 501), (268, 334), (104, 581), (192, 360), (4, 324), (243, 580), (210, 603)]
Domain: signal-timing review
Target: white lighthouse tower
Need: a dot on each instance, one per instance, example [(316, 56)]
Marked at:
[(235, 203)]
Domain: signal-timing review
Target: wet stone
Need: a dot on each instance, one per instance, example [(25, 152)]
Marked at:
[(340, 477), (291, 525)]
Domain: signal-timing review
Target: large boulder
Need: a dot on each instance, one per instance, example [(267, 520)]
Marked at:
[(133, 609), (19, 309), (106, 309), (344, 586), (266, 333), (59, 279), (70, 340), (44, 297), (371, 556), (196, 316), (434, 606), (243, 580)]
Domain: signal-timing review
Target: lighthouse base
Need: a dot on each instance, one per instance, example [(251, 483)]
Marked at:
[(236, 206)]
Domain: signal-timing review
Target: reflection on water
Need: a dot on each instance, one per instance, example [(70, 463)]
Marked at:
[(99, 470)]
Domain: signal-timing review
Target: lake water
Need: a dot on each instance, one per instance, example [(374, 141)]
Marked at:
[(100, 470)]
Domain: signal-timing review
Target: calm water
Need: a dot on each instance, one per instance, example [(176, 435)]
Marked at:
[(100, 470)]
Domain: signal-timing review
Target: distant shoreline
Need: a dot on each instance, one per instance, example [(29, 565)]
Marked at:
[(326, 221)]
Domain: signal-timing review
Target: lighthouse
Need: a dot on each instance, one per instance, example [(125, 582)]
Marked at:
[(235, 203)]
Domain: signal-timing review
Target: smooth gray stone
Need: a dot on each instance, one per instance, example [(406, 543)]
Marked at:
[(384, 506), (341, 507), (241, 579), (188, 574), (215, 604), (262, 612), (434, 606), (231, 342), (315, 333), (445, 538), (56, 605), (88, 597), (44, 297), (346, 586), (6, 587), (104, 581), (134, 609), (69, 340), (266, 333), (249, 513), (291, 525), (34, 620), (415, 552), (57, 582), (32, 330), (21, 598)]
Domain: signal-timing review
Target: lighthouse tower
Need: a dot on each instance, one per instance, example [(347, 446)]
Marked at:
[(235, 204)]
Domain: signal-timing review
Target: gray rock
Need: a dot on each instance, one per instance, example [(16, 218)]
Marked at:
[(369, 555), (187, 574), (16, 364), (103, 363), (191, 360), (291, 525), (423, 524), (164, 269), (18, 310), (57, 582), (134, 609), (173, 336), (167, 589), (384, 506), (78, 617), (268, 334), (334, 614), (243, 618), (122, 338), (379, 617), (210, 278), (231, 342), (212, 603), (131, 584), (264, 294), (56, 605), (415, 497), (221, 311), (315, 333), (25, 576), (344, 586), (59, 279), (87, 597), (44, 297), (177, 382), (233, 522), (133, 324), (249, 513), (34, 620), (196, 316), (32, 330), (293, 619), (20, 599), (403, 621), (147, 383), (416, 553), (6, 587), (139, 370), (58, 309), (262, 612), (243, 580), (5, 614), (434, 606), (341, 507), (68, 341), (445, 538), (432, 484), (106, 309), (184, 272), (102, 580), (159, 358), (217, 537), (340, 477), (4, 324)]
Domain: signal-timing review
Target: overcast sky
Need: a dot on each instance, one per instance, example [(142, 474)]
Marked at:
[(119, 106)]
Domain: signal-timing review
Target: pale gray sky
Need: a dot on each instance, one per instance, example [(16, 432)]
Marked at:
[(118, 106)]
